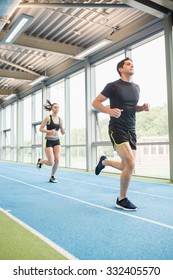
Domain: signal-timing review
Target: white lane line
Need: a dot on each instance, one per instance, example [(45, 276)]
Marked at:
[(97, 185), (42, 237), (114, 188), (91, 204)]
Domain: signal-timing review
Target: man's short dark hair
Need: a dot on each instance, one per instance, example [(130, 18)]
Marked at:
[(121, 63)]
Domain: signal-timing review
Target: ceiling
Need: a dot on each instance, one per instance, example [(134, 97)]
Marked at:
[(59, 30)]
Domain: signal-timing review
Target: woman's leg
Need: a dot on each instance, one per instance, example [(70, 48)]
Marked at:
[(56, 155), (50, 157)]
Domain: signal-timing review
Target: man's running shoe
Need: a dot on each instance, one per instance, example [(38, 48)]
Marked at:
[(39, 164), (52, 180), (100, 166), (125, 204)]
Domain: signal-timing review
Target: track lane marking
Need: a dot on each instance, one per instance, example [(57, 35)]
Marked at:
[(41, 236), (97, 185), (91, 204)]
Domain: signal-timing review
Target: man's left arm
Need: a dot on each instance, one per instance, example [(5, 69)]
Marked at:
[(144, 107)]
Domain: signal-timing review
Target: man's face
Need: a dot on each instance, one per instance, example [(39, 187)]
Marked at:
[(127, 68)]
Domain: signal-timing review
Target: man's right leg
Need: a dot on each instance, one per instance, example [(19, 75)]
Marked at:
[(127, 156), (128, 163), (115, 164)]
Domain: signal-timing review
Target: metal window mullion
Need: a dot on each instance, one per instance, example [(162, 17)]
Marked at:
[(67, 121), (88, 113), (93, 120), (45, 95), (12, 133), (33, 136), (19, 120), (1, 133), (169, 72)]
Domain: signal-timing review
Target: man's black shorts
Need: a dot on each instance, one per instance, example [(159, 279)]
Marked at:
[(118, 137), (52, 143)]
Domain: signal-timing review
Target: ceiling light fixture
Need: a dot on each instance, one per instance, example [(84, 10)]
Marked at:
[(38, 80), (92, 49), (20, 25)]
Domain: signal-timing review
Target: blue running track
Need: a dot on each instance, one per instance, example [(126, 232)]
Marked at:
[(78, 213)]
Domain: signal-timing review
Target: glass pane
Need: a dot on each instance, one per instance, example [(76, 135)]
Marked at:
[(15, 126), (152, 127), (27, 155), (38, 135), (57, 96), (8, 117), (27, 121), (77, 110), (8, 138), (102, 127), (153, 87), (38, 106), (109, 152), (14, 154), (38, 152), (105, 73), (78, 157), (7, 154), (62, 157), (152, 161)]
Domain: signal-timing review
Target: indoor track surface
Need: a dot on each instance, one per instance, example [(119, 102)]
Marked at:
[(78, 212)]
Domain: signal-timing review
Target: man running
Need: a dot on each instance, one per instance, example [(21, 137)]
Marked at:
[(123, 95)]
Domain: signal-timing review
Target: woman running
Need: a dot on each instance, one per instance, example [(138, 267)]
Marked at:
[(53, 124)]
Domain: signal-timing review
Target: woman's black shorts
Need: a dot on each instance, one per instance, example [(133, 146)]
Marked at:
[(52, 143), (118, 137)]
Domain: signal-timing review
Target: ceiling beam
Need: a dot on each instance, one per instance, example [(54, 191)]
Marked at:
[(43, 45), (18, 66), (47, 46), (62, 67), (165, 3), (70, 5), (126, 4), (8, 74), (133, 28), (148, 7), (61, 70), (7, 91)]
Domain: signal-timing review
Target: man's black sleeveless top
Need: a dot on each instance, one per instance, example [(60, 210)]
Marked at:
[(123, 95)]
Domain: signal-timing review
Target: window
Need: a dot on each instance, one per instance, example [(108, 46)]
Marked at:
[(105, 72), (14, 125), (8, 117), (152, 127), (38, 106), (150, 74), (6, 143), (27, 121), (56, 95), (77, 121)]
